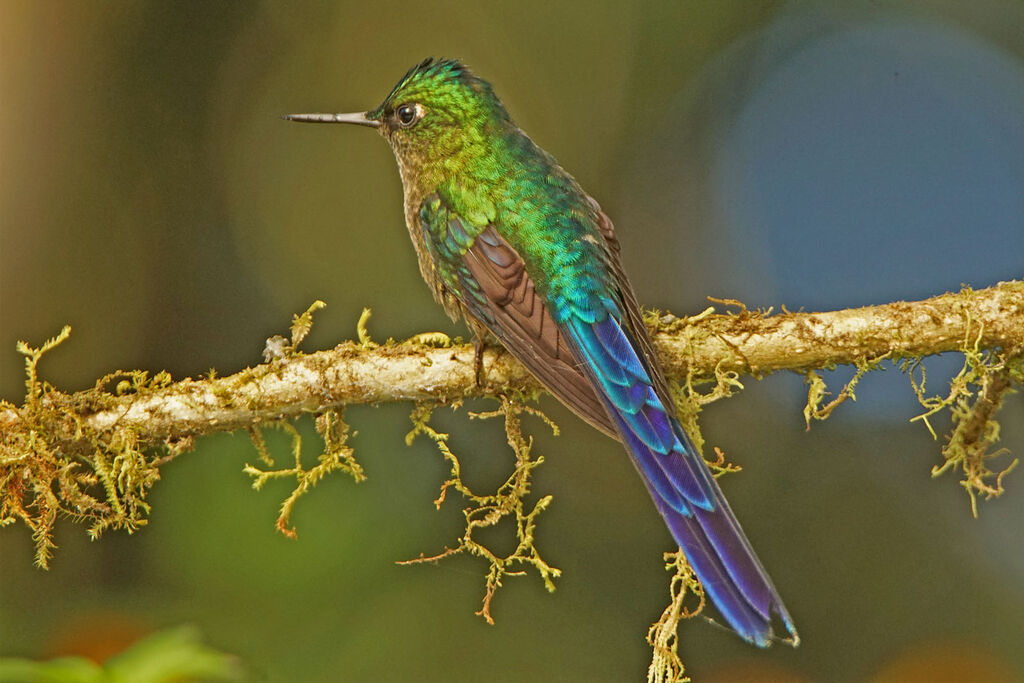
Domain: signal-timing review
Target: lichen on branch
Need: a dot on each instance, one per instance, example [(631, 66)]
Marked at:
[(337, 456), (663, 636), (975, 395), (54, 462), (490, 509), (93, 455)]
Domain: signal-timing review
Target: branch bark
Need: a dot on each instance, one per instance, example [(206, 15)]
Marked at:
[(93, 455), (746, 342)]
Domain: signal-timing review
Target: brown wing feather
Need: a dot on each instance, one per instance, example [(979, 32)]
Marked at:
[(519, 318)]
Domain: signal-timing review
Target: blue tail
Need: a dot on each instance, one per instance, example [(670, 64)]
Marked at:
[(683, 489)]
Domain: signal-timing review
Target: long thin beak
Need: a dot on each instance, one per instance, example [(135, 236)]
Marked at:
[(359, 119)]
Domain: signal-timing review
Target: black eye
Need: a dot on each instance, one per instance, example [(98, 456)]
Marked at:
[(407, 114)]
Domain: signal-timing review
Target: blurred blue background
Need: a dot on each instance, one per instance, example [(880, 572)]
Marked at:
[(780, 153)]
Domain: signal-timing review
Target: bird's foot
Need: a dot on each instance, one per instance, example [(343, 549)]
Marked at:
[(478, 361)]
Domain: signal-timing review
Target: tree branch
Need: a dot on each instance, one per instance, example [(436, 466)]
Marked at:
[(93, 455), (747, 342)]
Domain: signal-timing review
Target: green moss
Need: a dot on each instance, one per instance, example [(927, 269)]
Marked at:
[(99, 479), (490, 509), (337, 456), (817, 390), (975, 396), (663, 636)]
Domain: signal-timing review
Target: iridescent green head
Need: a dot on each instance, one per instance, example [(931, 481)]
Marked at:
[(436, 110)]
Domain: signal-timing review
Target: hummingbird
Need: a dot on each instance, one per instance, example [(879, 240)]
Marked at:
[(508, 240)]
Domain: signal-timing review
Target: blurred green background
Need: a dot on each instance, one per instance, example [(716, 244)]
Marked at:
[(782, 153)]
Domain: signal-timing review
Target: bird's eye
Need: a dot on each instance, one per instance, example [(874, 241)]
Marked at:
[(407, 114)]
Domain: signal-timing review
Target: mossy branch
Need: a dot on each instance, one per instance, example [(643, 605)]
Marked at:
[(57, 448), (93, 455), (746, 342)]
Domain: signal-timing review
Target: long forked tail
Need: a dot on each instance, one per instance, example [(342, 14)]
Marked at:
[(682, 487)]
